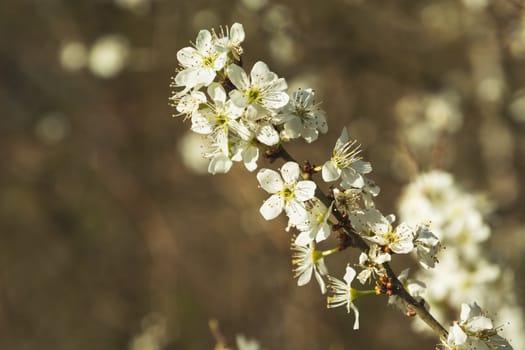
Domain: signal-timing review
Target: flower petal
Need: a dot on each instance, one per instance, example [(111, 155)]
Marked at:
[(236, 33), (238, 77), (270, 180), (306, 276), (330, 171), (189, 57), (217, 93), (305, 190), (304, 238), (272, 207), (349, 275), (290, 172), (267, 135), (220, 164)]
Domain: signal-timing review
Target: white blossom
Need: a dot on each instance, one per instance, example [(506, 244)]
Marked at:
[(219, 154), (221, 114), (474, 331), (189, 104), (287, 191), (371, 263), (376, 228), (315, 226), (343, 293), (200, 63), (263, 90), (301, 117), (346, 163), (427, 245), (232, 39), (306, 260)]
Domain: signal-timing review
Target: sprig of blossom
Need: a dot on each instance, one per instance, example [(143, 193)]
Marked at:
[(242, 116), (474, 331)]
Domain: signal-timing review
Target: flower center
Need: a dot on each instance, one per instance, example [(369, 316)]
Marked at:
[(254, 95)]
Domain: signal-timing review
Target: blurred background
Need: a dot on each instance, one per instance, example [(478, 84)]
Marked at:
[(111, 237)]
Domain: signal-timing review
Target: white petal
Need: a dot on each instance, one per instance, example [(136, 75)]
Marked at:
[(290, 172), (321, 282), (402, 246), (342, 139), (356, 313), (272, 207), (249, 157), (283, 117), (219, 164), (305, 277), (279, 85), (270, 180), (456, 336), (238, 77), (268, 135), (189, 57), (295, 211), (260, 74), (220, 61), (330, 171), (238, 98), (305, 190), (304, 238), (203, 41), (217, 93), (349, 275), (362, 167), (237, 33), (275, 99), (201, 125), (352, 179), (479, 323), (323, 233), (309, 135)]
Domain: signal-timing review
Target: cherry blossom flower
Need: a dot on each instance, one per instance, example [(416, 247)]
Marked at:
[(376, 228), (287, 191), (302, 117), (263, 90), (371, 263), (306, 260), (343, 293), (232, 39), (346, 163), (200, 63), (474, 331), (222, 113), (316, 226), (427, 245)]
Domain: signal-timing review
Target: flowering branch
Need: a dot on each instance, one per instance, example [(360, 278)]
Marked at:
[(396, 287), (243, 114)]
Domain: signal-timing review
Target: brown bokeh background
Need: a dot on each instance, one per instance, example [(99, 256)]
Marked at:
[(104, 232)]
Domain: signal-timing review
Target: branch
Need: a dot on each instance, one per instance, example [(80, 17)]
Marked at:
[(358, 242)]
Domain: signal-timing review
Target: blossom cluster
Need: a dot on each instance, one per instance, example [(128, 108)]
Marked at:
[(465, 270), (239, 113), (245, 115)]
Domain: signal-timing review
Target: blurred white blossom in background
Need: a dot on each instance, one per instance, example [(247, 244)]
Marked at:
[(466, 267), (108, 55)]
